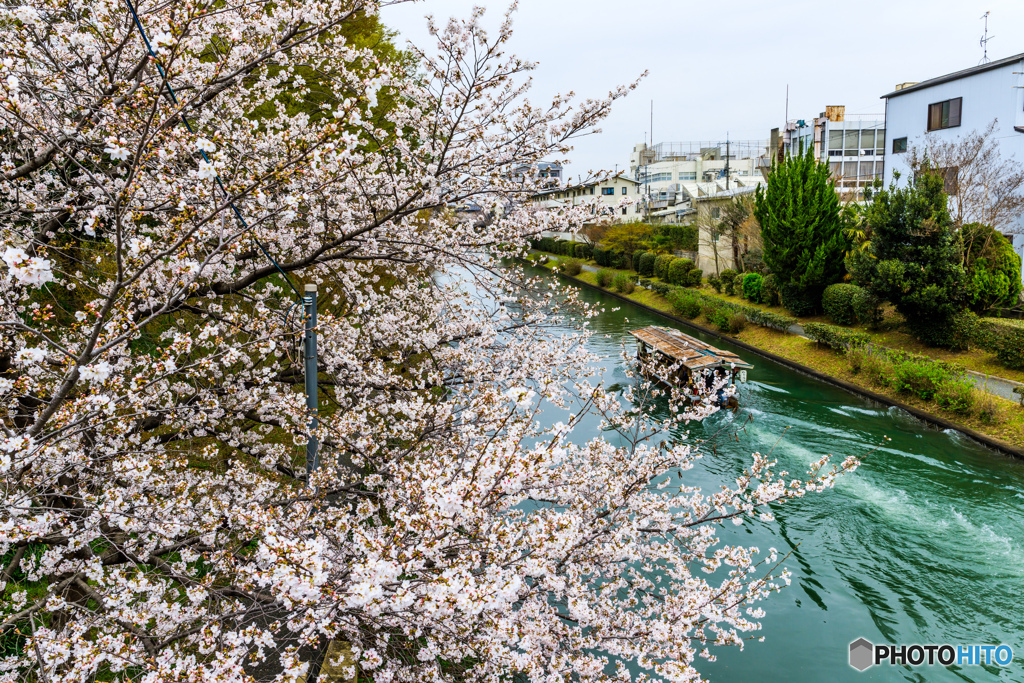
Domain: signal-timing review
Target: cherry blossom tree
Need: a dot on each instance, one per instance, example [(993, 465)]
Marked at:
[(157, 522)]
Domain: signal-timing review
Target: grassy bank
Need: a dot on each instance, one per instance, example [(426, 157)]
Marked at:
[(989, 415)]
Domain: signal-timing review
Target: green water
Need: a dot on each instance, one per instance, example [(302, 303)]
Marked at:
[(923, 544)]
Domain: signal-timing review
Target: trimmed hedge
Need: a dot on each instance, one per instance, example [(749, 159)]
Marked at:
[(695, 277), (719, 312), (583, 251), (837, 302), (1003, 337), (838, 338), (716, 283), (645, 263), (678, 270), (661, 265)]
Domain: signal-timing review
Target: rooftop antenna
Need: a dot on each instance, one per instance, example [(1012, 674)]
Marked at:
[(984, 40)]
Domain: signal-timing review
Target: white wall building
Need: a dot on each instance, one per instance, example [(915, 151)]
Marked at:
[(853, 147), (947, 107), (672, 175), (603, 195)]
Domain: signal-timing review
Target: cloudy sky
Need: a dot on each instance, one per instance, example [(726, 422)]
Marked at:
[(718, 68)]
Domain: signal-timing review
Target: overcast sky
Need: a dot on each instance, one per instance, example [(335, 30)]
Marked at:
[(722, 67)]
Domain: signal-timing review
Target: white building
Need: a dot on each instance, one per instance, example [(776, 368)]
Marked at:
[(853, 147), (953, 105), (672, 175), (603, 195)]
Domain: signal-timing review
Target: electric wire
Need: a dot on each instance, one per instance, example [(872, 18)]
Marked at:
[(188, 126)]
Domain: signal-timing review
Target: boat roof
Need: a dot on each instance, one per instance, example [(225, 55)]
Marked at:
[(692, 352)]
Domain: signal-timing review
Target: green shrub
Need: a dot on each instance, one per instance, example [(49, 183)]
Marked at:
[(604, 277), (919, 378), (876, 367), (988, 407), (837, 338), (583, 251), (695, 277), (837, 302), (571, 266), (661, 264), (623, 283), (737, 284), (993, 268), (1010, 351), (737, 321), (721, 318), (866, 307), (547, 244), (716, 283), (644, 262), (959, 396), (775, 321), (678, 270), (752, 283), (728, 277), (685, 303), (799, 301), (770, 290)]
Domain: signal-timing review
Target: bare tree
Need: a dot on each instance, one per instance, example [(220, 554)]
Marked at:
[(983, 186)]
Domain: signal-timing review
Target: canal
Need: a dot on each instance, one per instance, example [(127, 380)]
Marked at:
[(923, 544)]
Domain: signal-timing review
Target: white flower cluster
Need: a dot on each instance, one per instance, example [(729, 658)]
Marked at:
[(28, 270)]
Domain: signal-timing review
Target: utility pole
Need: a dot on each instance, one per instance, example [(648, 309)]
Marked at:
[(726, 161), (312, 394)]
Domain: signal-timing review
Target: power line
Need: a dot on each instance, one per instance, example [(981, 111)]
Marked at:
[(188, 126)]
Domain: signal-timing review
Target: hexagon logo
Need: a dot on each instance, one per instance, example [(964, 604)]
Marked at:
[(861, 654)]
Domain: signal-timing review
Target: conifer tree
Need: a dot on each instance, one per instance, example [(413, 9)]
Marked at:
[(802, 228)]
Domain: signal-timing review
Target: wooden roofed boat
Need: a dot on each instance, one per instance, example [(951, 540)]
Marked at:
[(671, 346)]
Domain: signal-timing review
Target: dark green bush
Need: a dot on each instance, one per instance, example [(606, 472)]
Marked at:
[(644, 261), (716, 283), (798, 301), (661, 265), (728, 277), (993, 268), (604, 277), (770, 290), (601, 256), (694, 278), (752, 283), (1010, 351), (866, 307), (837, 302), (838, 338), (571, 266), (583, 251), (721, 318), (678, 270), (547, 244)]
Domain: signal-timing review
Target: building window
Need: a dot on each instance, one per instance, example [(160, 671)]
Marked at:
[(591, 190), (835, 152), (687, 175), (624, 189), (624, 210), (605, 191), (899, 145), (950, 178), (944, 114), (716, 213)]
